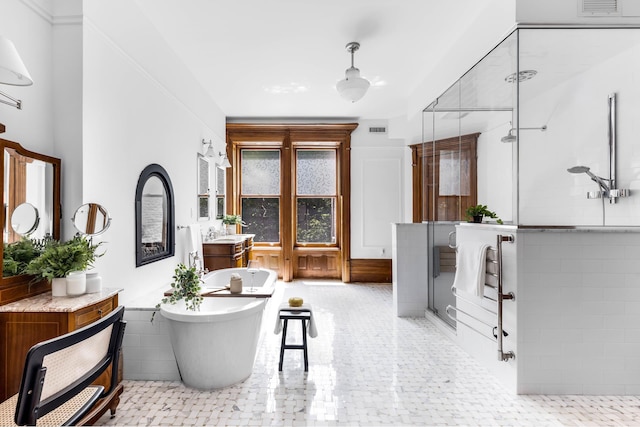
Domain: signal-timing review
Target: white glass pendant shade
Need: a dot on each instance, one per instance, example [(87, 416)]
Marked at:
[(352, 87), (12, 69), (224, 162)]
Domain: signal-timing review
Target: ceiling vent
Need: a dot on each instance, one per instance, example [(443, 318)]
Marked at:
[(377, 129), (599, 8)]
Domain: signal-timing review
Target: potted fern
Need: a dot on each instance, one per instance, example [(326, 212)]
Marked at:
[(59, 259), (185, 286), (17, 255)]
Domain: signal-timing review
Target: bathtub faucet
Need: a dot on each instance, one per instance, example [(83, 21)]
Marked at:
[(194, 261)]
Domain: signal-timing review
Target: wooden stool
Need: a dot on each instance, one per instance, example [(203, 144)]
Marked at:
[(292, 314)]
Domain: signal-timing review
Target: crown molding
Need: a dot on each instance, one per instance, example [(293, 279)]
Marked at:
[(44, 9)]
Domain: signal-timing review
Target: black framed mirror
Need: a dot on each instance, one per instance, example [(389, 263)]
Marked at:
[(155, 216), (31, 198)]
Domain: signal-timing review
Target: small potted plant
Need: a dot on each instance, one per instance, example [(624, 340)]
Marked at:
[(477, 212), (230, 222), (185, 286), (58, 259)]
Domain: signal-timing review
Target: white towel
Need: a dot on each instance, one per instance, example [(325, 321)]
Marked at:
[(312, 331), (471, 266)]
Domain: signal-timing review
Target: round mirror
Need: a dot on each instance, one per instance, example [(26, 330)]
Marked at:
[(91, 219), (25, 219)]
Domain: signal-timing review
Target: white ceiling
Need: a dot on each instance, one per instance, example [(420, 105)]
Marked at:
[(282, 58)]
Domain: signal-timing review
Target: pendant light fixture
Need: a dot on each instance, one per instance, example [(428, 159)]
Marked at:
[(352, 87)]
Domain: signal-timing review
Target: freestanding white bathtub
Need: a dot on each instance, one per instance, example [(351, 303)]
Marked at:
[(216, 346)]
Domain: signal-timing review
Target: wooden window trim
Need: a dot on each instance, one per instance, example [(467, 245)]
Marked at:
[(326, 146), (242, 134)]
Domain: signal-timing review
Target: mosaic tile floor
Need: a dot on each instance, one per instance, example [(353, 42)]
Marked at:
[(366, 368)]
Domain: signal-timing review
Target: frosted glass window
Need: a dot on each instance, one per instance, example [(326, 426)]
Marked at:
[(316, 172), (454, 174), (260, 172), (220, 190), (220, 181)]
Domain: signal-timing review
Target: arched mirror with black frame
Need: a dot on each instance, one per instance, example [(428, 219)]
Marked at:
[(155, 216)]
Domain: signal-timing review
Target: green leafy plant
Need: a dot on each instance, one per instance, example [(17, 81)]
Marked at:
[(185, 286), (480, 211), (60, 258), (232, 219), (17, 255)]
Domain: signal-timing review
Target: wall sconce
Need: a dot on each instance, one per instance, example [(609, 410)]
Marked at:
[(224, 161), (208, 152), (12, 71)]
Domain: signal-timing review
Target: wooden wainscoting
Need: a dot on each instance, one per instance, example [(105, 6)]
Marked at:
[(371, 270), (269, 257), (322, 263)]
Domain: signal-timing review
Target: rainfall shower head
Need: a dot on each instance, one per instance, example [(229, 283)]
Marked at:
[(594, 177), (510, 137)]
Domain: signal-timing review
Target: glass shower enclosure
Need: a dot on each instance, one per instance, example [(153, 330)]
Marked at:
[(525, 131)]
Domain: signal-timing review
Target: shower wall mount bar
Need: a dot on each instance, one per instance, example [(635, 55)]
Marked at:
[(608, 189)]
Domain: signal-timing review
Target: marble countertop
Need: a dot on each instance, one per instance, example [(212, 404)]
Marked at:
[(229, 238), (46, 303), (555, 228)]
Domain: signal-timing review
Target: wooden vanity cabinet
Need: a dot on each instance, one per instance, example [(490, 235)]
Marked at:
[(248, 248), (223, 255), (219, 255), (20, 330)]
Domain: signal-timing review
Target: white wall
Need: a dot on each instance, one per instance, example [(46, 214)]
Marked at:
[(137, 112), (495, 169), (67, 114), (577, 116), (29, 27), (379, 184)]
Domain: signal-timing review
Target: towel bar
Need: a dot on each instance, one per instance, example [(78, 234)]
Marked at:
[(455, 293), (502, 356), (499, 332), (455, 319)]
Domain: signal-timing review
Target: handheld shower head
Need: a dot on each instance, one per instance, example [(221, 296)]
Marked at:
[(578, 169), (594, 177)]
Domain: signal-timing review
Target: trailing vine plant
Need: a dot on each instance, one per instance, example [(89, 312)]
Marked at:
[(185, 286)]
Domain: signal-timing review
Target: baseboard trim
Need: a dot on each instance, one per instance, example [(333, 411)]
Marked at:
[(370, 270)]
